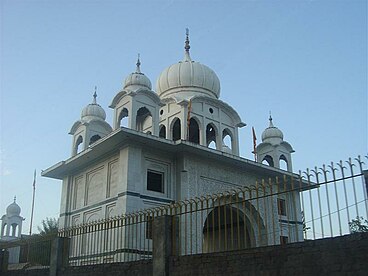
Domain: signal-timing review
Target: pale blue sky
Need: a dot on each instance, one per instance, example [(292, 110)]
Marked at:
[(306, 61)]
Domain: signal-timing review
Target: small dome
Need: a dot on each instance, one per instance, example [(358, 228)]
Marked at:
[(137, 79), (93, 110), (272, 132), (13, 209), (188, 78)]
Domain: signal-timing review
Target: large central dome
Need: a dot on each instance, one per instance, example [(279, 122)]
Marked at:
[(188, 78)]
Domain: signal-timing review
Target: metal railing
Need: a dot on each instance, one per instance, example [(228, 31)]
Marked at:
[(35, 250), (315, 204)]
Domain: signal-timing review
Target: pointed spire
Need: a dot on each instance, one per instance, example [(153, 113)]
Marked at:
[(138, 69), (95, 96), (187, 46)]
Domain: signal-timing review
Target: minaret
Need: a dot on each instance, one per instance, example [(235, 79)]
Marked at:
[(273, 147)]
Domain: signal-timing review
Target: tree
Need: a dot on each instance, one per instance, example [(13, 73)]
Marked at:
[(39, 245), (358, 225), (49, 227)]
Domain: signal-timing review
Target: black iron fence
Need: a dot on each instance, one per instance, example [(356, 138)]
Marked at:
[(323, 202), (327, 201), (34, 250)]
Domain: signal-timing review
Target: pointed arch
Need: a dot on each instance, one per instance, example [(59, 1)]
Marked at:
[(78, 147), (268, 160), (94, 138), (194, 131), (176, 129), (162, 132), (227, 139), (283, 162), (144, 119), (123, 118), (211, 136)]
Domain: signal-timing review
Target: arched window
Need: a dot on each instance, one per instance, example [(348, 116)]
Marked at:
[(227, 140), (193, 131), (267, 160), (123, 119), (94, 138), (283, 163), (211, 136), (162, 133), (144, 120), (176, 130), (79, 145)]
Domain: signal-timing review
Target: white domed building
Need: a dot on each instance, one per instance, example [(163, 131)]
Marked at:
[(177, 142), (274, 149), (11, 225), (11, 229)]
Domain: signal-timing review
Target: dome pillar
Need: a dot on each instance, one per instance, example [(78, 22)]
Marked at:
[(274, 149), (90, 128), (11, 225)]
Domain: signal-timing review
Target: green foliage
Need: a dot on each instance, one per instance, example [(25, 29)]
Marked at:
[(49, 226), (358, 225), (38, 246)]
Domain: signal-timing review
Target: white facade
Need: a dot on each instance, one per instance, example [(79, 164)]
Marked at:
[(176, 143)]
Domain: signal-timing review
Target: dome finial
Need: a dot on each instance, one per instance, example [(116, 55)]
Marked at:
[(95, 96), (15, 199), (138, 70), (187, 46), (270, 118)]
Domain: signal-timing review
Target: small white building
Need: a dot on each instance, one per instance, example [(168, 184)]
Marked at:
[(11, 229), (177, 142)]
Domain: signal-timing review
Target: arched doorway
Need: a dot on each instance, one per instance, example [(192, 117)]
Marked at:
[(226, 228)]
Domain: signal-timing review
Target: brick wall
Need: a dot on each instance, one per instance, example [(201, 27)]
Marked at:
[(115, 269), (347, 255), (26, 272)]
